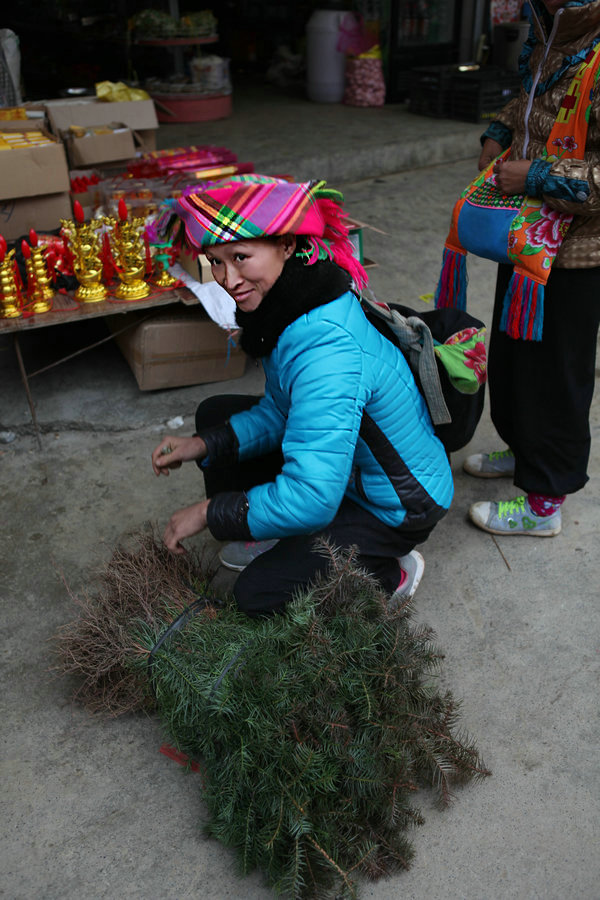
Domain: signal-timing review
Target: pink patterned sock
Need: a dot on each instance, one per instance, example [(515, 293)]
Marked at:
[(542, 505)]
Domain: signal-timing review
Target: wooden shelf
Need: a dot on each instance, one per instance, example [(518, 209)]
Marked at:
[(66, 309), (176, 42)]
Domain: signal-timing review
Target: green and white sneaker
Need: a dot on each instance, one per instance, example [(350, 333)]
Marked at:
[(513, 517), (499, 464), (239, 554)]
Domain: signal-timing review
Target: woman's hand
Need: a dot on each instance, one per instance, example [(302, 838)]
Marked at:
[(172, 451), (183, 524), (511, 176), (490, 150)]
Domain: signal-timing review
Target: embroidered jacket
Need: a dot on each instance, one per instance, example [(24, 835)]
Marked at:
[(551, 55), (342, 404)]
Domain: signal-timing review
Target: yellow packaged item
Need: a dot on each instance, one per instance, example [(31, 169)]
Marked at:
[(13, 112), (18, 139), (118, 91)]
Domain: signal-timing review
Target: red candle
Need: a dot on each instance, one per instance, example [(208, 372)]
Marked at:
[(33, 238), (2, 248), (122, 210), (26, 249), (78, 211)]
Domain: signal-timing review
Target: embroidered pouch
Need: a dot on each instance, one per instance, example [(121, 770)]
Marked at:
[(519, 230)]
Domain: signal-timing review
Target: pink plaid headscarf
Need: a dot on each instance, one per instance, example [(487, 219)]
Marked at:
[(255, 206)]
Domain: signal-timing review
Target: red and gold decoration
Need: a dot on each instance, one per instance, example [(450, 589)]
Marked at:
[(85, 245), (38, 280), (130, 253), (164, 254), (109, 250), (10, 299), (162, 278)]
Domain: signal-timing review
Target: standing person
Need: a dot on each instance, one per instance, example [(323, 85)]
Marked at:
[(541, 390), (341, 445)]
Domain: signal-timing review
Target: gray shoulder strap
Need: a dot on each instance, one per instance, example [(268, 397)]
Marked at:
[(415, 337)]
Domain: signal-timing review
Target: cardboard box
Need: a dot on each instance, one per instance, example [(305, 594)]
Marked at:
[(94, 149), (37, 122), (175, 348), (29, 171), (138, 115), (197, 267), (42, 213), (355, 233)]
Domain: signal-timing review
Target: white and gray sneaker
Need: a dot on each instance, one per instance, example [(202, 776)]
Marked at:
[(513, 517), (412, 567), (239, 554), (499, 464)]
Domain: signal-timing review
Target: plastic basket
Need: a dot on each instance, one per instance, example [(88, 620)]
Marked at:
[(478, 96), (429, 90)]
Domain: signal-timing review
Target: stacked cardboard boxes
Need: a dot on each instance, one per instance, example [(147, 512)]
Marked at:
[(133, 125), (34, 184)]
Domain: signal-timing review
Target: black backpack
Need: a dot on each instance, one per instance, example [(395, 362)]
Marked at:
[(454, 414)]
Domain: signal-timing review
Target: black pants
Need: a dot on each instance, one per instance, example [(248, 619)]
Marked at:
[(271, 580), (541, 391)]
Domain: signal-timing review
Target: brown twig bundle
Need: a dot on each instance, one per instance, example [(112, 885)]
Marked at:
[(141, 581)]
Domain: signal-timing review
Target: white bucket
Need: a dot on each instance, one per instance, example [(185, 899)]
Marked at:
[(325, 65)]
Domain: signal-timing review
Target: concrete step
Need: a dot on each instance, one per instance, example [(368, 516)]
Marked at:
[(284, 133)]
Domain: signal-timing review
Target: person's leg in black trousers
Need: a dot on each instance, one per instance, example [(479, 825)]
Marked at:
[(272, 579), (541, 391)]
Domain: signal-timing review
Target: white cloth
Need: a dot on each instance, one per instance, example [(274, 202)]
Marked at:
[(215, 299)]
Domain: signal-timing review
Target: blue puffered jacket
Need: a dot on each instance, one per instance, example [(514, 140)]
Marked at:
[(342, 404)]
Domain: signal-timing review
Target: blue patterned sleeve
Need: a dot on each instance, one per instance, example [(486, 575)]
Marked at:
[(498, 131), (542, 183)]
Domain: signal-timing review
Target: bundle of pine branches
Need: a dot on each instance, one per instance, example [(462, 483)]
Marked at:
[(314, 728)]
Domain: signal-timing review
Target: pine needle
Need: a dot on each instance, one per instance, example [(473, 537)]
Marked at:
[(314, 728)]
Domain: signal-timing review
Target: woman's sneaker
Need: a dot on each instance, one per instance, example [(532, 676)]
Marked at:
[(513, 517), (239, 554), (499, 464), (412, 567)]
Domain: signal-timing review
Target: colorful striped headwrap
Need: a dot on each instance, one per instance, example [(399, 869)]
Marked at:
[(256, 206)]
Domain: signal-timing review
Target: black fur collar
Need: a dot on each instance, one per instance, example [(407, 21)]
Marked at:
[(298, 289)]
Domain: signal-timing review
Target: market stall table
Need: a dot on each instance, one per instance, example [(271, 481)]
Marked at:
[(66, 309)]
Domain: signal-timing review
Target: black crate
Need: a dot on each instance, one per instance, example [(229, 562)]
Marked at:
[(430, 90), (478, 96)]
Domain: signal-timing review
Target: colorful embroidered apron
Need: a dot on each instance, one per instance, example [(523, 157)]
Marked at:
[(519, 230)]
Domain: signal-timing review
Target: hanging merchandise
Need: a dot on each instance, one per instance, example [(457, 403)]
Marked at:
[(502, 11)]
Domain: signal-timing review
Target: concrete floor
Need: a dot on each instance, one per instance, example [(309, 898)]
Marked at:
[(92, 809)]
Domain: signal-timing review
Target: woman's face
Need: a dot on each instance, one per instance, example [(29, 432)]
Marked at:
[(249, 269)]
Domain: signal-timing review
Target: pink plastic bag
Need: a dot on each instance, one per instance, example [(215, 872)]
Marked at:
[(354, 38)]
